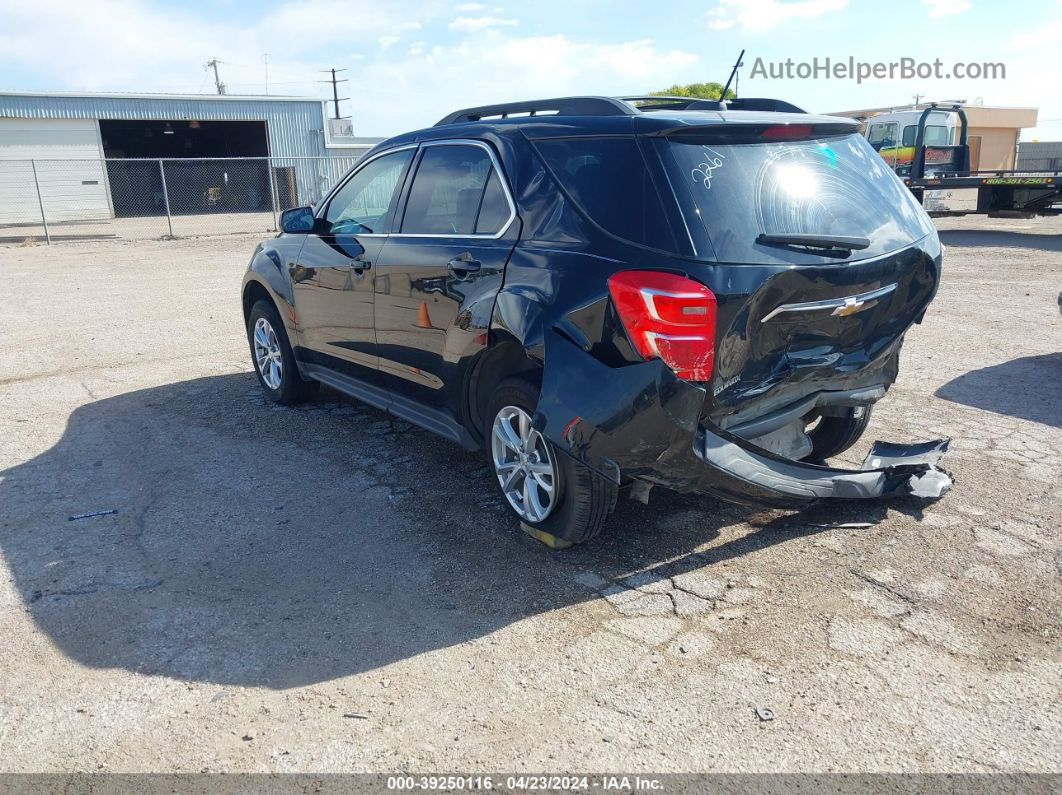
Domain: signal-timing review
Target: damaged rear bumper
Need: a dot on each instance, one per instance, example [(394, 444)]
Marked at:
[(642, 422), (740, 474)]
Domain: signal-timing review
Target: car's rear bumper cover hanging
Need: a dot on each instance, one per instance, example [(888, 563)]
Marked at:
[(644, 422)]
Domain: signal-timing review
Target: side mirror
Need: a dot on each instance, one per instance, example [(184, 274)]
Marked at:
[(297, 221)]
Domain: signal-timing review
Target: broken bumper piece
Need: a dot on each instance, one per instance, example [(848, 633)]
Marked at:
[(743, 474), (643, 423)]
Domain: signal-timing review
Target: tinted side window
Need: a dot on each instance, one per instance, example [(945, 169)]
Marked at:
[(494, 211), (447, 191), (365, 202), (608, 179)]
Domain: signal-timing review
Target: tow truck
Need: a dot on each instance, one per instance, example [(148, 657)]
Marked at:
[(934, 155)]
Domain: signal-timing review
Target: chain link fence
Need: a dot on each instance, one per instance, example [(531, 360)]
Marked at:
[(57, 200)]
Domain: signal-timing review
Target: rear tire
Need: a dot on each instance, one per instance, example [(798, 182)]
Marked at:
[(833, 435), (581, 500), (273, 359)]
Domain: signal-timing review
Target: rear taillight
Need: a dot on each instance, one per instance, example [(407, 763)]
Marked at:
[(668, 317)]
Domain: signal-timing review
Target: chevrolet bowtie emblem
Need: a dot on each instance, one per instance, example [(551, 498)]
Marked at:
[(851, 306)]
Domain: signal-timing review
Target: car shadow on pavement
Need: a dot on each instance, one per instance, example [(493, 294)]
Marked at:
[(257, 545), (1026, 388), (980, 238)]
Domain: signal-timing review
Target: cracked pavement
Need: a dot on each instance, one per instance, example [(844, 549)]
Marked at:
[(271, 571)]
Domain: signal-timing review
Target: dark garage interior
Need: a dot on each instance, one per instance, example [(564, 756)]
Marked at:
[(194, 185)]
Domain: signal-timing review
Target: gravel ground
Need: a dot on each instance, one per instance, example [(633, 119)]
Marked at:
[(322, 589)]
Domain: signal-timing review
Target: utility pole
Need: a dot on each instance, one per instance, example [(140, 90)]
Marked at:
[(917, 99), (335, 87), (265, 60), (213, 62)]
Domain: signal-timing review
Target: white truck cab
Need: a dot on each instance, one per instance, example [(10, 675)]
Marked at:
[(893, 134)]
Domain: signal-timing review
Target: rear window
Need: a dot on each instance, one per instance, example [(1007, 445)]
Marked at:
[(607, 179), (831, 186)]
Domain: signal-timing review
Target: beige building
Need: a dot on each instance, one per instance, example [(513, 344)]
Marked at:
[(993, 133)]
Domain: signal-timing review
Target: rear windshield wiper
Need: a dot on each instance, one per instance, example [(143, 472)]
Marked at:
[(816, 241)]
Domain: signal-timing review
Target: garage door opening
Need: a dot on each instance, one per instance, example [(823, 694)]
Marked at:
[(201, 169)]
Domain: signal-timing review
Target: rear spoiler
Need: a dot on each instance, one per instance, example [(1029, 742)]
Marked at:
[(748, 103), (760, 129)]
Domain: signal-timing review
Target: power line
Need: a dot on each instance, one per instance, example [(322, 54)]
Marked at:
[(335, 87)]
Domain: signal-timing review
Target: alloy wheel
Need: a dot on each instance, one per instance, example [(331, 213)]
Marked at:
[(523, 464), (267, 354)]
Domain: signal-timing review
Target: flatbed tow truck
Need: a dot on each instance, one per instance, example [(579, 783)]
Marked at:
[(1000, 194)]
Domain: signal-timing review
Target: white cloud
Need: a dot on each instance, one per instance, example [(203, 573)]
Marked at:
[(761, 15), (944, 8), (500, 67), (474, 24), (141, 45), (719, 19), (468, 8), (1048, 34), (298, 22)]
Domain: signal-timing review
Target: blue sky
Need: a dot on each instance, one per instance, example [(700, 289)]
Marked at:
[(411, 61)]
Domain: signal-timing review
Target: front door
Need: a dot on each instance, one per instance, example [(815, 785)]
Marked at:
[(456, 234), (333, 281)]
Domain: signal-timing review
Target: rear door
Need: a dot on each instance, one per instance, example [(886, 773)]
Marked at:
[(455, 236), (333, 282)]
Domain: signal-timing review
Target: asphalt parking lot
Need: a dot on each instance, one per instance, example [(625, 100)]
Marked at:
[(322, 589)]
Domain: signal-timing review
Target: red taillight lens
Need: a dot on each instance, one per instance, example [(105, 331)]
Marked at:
[(786, 132), (668, 317)]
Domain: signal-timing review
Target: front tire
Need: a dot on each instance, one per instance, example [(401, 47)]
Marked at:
[(548, 491), (273, 358)]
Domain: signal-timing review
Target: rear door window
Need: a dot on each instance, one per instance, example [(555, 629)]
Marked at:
[(456, 191), (836, 185), (494, 212), (608, 180)]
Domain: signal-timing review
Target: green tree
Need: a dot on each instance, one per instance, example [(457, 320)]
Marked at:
[(711, 90)]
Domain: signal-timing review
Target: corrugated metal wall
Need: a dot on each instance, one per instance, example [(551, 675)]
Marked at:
[(295, 126), (1040, 156)]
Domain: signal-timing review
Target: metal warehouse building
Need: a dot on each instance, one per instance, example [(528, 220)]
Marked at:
[(85, 157)]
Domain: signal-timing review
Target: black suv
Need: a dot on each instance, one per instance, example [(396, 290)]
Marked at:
[(608, 292)]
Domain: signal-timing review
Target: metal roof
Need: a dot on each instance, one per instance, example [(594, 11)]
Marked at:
[(296, 126), (151, 95)]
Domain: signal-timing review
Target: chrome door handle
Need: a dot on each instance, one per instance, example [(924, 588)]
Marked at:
[(463, 264)]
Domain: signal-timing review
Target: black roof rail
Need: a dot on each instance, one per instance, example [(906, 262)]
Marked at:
[(613, 106), (560, 106)]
